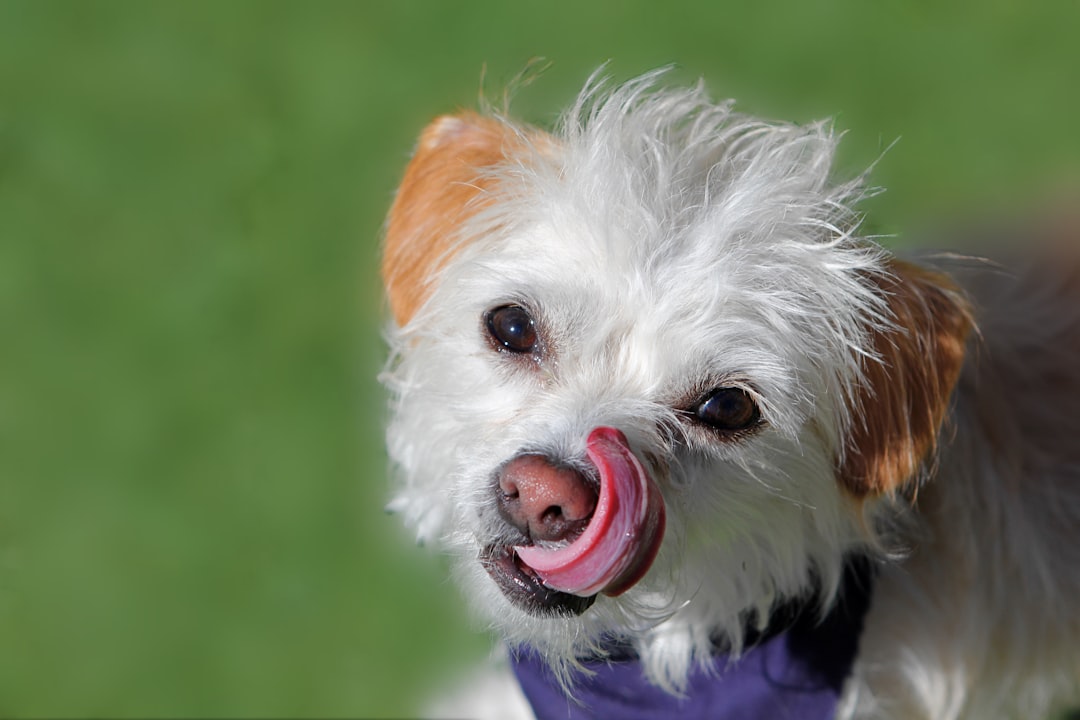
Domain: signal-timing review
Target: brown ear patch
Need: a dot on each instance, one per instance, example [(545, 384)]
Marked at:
[(444, 184), (905, 394)]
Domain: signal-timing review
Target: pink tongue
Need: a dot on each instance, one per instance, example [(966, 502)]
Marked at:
[(623, 535)]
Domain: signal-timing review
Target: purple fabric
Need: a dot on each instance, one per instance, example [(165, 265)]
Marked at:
[(796, 670)]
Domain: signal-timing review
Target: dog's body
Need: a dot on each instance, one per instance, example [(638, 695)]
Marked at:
[(982, 617), (660, 320)]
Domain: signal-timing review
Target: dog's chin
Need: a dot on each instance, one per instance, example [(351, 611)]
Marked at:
[(525, 590)]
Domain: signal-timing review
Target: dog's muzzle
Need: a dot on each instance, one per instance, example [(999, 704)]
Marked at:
[(583, 539)]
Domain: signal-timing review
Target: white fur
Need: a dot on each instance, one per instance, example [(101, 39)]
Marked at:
[(667, 243)]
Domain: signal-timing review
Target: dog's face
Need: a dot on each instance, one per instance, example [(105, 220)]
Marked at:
[(646, 381)]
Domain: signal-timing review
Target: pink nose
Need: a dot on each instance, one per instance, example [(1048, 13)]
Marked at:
[(545, 501)]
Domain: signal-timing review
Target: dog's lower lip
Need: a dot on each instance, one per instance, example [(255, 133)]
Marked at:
[(524, 588)]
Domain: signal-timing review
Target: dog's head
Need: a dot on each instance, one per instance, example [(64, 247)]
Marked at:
[(647, 381)]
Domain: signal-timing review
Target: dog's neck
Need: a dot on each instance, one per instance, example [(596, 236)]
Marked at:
[(797, 665)]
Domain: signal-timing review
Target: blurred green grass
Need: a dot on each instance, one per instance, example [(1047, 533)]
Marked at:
[(191, 469)]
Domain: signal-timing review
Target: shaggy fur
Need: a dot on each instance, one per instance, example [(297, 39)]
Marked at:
[(667, 245)]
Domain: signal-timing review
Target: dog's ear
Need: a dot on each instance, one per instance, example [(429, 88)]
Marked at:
[(444, 184), (902, 403)]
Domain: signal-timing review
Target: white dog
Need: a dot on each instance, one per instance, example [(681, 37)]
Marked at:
[(698, 447)]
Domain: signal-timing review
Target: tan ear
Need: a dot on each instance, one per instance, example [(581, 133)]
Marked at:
[(443, 186), (902, 404)]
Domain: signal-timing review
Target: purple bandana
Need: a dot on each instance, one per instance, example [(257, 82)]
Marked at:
[(796, 669)]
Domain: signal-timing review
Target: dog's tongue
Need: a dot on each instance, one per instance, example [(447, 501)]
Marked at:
[(625, 531)]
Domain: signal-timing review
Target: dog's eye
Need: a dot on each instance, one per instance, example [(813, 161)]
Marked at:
[(729, 409), (512, 328)]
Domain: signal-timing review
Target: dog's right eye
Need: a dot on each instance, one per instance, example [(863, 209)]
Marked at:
[(728, 409), (512, 328)]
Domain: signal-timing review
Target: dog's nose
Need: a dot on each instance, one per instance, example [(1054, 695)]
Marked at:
[(545, 501)]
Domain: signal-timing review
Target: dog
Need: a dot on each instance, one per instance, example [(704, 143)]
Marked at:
[(698, 446)]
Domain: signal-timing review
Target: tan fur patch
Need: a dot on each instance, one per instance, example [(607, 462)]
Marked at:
[(443, 186), (905, 396)]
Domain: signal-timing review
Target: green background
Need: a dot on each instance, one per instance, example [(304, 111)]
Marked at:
[(191, 466)]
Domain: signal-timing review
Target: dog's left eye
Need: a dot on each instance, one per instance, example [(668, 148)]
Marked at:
[(512, 328), (729, 409)]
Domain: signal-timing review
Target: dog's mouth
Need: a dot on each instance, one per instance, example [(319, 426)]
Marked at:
[(612, 553), (525, 589)]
